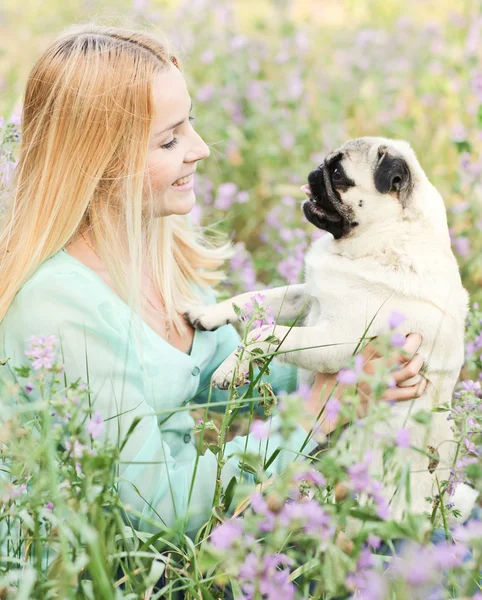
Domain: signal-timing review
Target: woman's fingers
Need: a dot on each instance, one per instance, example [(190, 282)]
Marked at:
[(405, 393), (410, 370)]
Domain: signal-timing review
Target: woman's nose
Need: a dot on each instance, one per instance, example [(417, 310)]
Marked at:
[(199, 151)]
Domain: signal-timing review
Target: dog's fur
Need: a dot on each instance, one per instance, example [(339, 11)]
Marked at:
[(389, 249)]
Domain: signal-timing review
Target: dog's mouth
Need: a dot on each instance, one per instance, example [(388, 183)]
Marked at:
[(322, 208)]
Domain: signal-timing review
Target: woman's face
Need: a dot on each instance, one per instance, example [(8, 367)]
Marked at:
[(174, 146)]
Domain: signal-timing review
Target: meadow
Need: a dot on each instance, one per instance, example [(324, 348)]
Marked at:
[(276, 85)]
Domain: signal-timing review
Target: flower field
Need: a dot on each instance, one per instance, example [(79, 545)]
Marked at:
[(276, 85)]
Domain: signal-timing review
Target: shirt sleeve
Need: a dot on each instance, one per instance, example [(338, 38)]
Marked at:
[(95, 346)]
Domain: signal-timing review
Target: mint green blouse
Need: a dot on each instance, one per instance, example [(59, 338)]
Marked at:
[(66, 298)]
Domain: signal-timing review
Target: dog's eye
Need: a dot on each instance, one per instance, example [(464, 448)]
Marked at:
[(336, 175)]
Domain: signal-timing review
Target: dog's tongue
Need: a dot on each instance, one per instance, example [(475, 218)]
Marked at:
[(306, 188)]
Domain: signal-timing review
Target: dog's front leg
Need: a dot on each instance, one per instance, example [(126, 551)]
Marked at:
[(286, 302), (312, 348)]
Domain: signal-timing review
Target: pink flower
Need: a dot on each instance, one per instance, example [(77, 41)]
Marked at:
[(223, 536), (396, 319), (95, 427), (259, 430), (347, 377), (332, 409), (397, 340), (402, 439)]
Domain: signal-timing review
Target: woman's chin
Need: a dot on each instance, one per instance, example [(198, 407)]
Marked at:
[(176, 206)]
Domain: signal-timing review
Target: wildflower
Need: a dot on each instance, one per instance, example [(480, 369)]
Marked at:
[(224, 535), (359, 477), (50, 505), (470, 447), (259, 430), (396, 319), (471, 386), (350, 376), (402, 439), (17, 490), (95, 427), (41, 351), (374, 541), (462, 245), (397, 340), (225, 197), (332, 409), (77, 448), (304, 390), (312, 476), (347, 377)]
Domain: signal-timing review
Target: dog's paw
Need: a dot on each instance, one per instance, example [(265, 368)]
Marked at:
[(204, 318), (223, 376)]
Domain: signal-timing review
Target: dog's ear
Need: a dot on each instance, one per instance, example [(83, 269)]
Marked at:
[(392, 175)]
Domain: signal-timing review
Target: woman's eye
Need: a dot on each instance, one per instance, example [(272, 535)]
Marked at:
[(174, 141), (170, 144)]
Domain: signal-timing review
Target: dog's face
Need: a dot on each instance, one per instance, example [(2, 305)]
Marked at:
[(367, 180)]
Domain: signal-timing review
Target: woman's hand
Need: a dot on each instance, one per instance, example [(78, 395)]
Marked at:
[(408, 371)]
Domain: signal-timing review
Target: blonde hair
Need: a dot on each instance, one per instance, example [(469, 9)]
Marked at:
[(86, 123)]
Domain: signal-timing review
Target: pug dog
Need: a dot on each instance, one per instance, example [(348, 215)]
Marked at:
[(387, 248)]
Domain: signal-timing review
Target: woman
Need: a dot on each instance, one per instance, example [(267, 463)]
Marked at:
[(97, 247)]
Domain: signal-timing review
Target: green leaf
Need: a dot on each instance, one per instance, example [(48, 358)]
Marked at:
[(244, 466), (422, 416), (214, 449), (479, 116), (237, 309), (229, 493), (271, 459), (256, 351)]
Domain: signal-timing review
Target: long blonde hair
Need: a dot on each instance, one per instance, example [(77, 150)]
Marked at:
[(86, 123)]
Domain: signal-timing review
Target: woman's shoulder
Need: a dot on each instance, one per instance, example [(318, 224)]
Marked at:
[(60, 289)]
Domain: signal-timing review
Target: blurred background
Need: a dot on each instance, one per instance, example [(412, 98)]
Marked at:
[(276, 85)]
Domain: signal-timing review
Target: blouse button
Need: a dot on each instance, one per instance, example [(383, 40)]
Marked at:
[(187, 438), (195, 371)]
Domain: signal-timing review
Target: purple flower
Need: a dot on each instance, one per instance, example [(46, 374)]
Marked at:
[(359, 477), (225, 197), (311, 476), (471, 386), (304, 390), (402, 439), (224, 535), (396, 319), (332, 409), (259, 430), (77, 448), (50, 505), (41, 349), (374, 541), (347, 377), (397, 340), (470, 447), (250, 568), (95, 427), (462, 246)]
